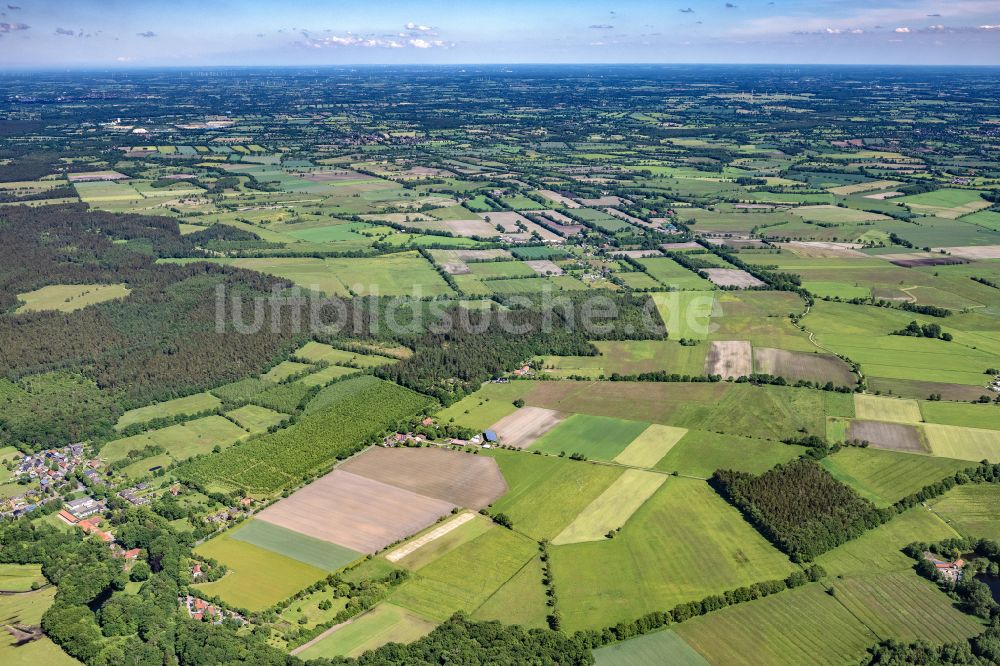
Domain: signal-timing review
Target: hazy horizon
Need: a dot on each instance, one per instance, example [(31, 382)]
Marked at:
[(114, 33)]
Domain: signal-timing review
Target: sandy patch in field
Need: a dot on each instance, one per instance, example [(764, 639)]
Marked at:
[(732, 277), (891, 436), (973, 251), (459, 479), (544, 267), (823, 249), (559, 198), (355, 511), (525, 425), (729, 358), (399, 553)]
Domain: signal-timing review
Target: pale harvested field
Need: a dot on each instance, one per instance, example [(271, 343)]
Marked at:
[(637, 254), (891, 436), (883, 408), (470, 228), (544, 267), (481, 255), (963, 443), (729, 358), (355, 511), (545, 234), (622, 215), (556, 216), (732, 277), (803, 365), (460, 479), (558, 198), (505, 218), (884, 195), (857, 188), (399, 553), (649, 448), (604, 201), (823, 249), (973, 252), (525, 425), (690, 245), (92, 176)]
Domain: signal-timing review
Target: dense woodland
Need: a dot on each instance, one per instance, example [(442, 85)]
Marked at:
[(800, 507), (158, 343)]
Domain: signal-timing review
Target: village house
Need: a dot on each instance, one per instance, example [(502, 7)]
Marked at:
[(84, 507)]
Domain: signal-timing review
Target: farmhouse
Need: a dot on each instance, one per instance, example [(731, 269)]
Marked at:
[(951, 571)]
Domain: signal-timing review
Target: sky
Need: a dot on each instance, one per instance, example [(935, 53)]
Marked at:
[(62, 34)]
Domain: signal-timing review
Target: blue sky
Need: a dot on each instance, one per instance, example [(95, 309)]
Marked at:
[(136, 33)]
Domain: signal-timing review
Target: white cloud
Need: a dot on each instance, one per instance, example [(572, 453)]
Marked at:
[(901, 30), (418, 27), (989, 27), (369, 42)]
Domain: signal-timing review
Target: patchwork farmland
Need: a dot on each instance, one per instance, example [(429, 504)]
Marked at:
[(501, 364)]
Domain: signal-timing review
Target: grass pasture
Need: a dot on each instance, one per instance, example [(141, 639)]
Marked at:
[(881, 408), (700, 453), (973, 444), (631, 357), (801, 626), (191, 404), (887, 476), (28, 609), (971, 510), (181, 441), (879, 549), (19, 577), (521, 600), (256, 418), (70, 297), (660, 647), (683, 523), (612, 508), (905, 607), (597, 437), (564, 487), (386, 623), (257, 577), (650, 446), (320, 554), (446, 586)]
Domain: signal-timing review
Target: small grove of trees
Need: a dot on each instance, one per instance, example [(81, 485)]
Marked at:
[(917, 330)]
